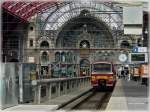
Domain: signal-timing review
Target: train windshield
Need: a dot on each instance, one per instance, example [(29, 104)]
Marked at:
[(102, 67)]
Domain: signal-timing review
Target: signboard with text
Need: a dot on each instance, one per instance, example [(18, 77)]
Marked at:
[(139, 50), (138, 57)]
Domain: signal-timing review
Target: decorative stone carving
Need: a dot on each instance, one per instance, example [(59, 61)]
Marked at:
[(85, 36), (44, 38)]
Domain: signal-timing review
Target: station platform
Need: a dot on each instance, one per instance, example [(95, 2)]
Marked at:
[(129, 96), (51, 105)]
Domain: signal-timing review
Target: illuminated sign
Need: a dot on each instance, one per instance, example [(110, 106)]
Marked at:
[(138, 57)]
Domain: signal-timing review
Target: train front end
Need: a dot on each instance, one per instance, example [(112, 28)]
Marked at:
[(103, 75)]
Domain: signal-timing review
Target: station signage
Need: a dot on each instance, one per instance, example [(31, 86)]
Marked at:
[(142, 49), (138, 57), (139, 50)]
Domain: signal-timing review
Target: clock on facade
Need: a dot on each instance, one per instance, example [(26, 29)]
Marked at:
[(122, 57)]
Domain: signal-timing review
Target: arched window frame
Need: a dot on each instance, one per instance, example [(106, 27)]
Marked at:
[(57, 57), (46, 44), (56, 18), (44, 57)]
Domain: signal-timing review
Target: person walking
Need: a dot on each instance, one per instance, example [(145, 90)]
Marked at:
[(126, 74), (122, 73), (129, 75), (119, 73)]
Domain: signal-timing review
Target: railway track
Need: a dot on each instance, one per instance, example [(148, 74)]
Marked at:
[(94, 100)]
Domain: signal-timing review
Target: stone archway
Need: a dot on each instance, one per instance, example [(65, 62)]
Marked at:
[(125, 44), (84, 28), (44, 44)]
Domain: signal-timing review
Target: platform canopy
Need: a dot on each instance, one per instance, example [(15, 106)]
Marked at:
[(26, 9)]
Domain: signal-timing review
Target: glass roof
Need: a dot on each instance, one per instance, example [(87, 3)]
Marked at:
[(54, 17)]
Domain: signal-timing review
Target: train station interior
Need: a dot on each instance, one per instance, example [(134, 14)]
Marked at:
[(61, 55)]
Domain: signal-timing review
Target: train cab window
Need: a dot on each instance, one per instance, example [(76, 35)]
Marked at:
[(102, 67)]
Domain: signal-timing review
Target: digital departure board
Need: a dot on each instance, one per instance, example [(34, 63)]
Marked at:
[(138, 57)]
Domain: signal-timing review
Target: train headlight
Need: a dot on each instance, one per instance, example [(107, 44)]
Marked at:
[(93, 78), (111, 78)]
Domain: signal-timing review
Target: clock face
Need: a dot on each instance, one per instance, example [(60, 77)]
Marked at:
[(122, 57)]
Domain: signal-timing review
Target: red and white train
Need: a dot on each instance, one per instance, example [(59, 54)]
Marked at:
[(103, 75)]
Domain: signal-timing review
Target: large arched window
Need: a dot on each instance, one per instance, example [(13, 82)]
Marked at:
[(84, 67), (53, 21), (57, 57), (44, 57), (69, 57), (44, 44), (63, 57), (84, 62), (125, 44)]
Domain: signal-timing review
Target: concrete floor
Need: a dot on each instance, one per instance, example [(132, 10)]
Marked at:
[(129, 95)]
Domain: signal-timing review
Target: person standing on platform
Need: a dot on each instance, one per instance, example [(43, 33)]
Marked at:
[(126, 74), (129, 75), (122, 73), (119, 73)]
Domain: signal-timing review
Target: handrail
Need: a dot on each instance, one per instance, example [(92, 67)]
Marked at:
[(74, 83), (41, 81)]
